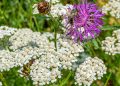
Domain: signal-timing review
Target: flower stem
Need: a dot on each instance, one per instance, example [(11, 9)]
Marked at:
[(64, 81), (3, 80), (55, 35), (108, 79)]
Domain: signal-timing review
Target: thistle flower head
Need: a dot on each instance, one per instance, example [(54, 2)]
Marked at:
[(85, 22)]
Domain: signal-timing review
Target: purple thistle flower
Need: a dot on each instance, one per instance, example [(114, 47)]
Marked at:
[(85, 23)]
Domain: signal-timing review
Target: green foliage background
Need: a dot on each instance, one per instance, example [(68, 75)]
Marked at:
[(18, 13)]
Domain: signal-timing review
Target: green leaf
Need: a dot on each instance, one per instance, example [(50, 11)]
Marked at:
[(95, 43), (110, 27), (94, 0)]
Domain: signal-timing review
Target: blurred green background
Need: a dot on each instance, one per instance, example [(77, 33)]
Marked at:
[(18, 14)]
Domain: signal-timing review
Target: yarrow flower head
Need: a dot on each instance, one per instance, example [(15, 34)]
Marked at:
[(112, 8), (91, 69), (85, 22)]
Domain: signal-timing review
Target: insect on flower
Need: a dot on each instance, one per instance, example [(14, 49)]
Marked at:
[(43, 7), (70, 17), (26, 67)]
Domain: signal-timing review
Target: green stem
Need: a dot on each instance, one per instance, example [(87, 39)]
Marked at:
[(3, 80), (30, 16), (108, 79), (91, 49), (55, 27), (55, 35), (64, 81), (36, 24)]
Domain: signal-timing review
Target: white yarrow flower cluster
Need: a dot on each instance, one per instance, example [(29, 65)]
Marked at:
[(111, 45), (112, 7), (26, 45), (6, 31), (21, 38), (91, 69), (60, 10), (7, 60), (35, 9), (53, 60), (0, 83), (68, 52), (53, 1), (45, 70), (12, 59)]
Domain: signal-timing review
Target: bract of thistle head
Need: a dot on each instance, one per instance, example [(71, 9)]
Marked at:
[(43, 7), (86, 21)]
